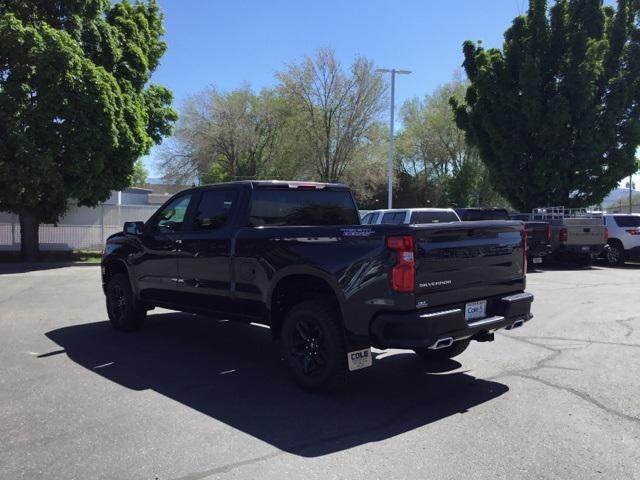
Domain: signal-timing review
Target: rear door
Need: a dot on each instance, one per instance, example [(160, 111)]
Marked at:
[(204, 263), (469, 260)]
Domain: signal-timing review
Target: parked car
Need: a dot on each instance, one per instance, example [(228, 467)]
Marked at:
[(295, 257), (576, 235), (406, 216), (624, 237), (538, 238)]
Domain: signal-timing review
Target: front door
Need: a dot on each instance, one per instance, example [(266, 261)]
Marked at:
[(204, 262), (156, 269)]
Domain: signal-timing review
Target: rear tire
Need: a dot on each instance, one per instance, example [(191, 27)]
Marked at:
[(125, 312), (313, 346), (615, 254), (443, 353)]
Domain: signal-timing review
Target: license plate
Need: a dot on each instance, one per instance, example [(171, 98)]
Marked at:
[(475, 310), (537, 260), (359, 359), (586, 249)]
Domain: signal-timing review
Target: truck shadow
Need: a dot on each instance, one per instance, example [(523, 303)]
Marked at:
[(233, 373)]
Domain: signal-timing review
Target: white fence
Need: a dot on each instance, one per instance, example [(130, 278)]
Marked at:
[(82, 228)]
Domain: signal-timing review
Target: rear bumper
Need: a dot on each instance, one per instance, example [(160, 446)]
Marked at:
[(423, 328), (581, 250)]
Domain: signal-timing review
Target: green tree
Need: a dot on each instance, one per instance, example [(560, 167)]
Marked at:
[(436, 164), (239, 131), (139, 175), (335, 110), (76, 109), (555, 114), (214, 174), (469, 186)]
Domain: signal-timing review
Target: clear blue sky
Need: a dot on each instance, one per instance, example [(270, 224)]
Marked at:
[(228, 43)]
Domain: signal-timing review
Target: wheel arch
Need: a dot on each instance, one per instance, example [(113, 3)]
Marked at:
[(295, 286), (113, 266)]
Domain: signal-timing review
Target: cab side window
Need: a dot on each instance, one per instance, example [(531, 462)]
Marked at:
[(171, 217), (215, 209)]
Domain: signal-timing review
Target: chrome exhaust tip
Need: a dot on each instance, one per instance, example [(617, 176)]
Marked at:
[(442, 343), (517, 324)]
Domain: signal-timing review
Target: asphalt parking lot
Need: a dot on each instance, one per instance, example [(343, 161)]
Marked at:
[(194, 398)]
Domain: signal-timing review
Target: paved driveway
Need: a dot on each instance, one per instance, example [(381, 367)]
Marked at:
[(193, 398)]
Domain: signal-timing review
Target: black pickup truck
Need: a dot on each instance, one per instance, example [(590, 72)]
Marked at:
[(539, 236), (538, 233), (293, 256)]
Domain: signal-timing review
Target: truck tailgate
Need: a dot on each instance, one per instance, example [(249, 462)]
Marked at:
[(584, 231), (468, 261)]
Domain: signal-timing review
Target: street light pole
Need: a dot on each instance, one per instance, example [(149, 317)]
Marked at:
[(393, 73)]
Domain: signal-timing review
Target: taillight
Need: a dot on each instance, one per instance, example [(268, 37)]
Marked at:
[(564, 235), (549, 232), (606, 234), (525, 250), (635, 231), (403, 274)]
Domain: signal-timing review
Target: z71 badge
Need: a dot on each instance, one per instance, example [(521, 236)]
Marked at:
[(359, 359)]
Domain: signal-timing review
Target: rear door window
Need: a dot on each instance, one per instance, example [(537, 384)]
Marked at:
[(433, 217), (395, 218), (279, 207), (214, 209)]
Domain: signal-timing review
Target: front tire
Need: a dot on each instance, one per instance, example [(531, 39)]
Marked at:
[(125, 312), (313, 346), (443, 353)]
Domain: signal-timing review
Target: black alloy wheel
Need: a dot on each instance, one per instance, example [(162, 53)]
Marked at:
[(313, 345)]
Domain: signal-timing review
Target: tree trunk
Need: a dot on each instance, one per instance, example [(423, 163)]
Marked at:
[(29, 241)]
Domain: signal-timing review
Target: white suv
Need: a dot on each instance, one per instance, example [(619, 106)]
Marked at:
[(624, 237), (400, 216)]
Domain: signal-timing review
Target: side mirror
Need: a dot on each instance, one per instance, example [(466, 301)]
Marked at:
[(133, 228)]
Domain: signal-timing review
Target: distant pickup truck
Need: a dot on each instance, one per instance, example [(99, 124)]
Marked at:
[(538, 233), (576, 235), (294, 256)]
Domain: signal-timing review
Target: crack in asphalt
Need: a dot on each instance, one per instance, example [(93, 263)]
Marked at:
[(629, 328), (584, 396), (588, 340), (542, 363)]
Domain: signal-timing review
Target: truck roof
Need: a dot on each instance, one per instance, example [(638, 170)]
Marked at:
[(385, 210), (293, 184)]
